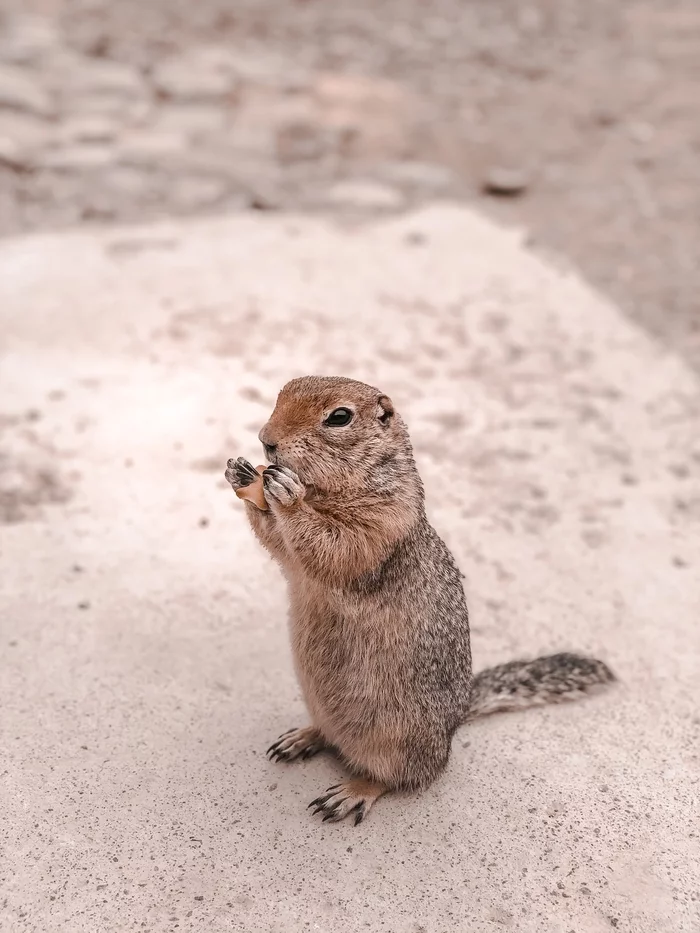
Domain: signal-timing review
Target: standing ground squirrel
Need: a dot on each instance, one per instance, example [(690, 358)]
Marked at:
[(378, 617)]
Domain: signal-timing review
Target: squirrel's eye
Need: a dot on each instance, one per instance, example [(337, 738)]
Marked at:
[(339, 418)]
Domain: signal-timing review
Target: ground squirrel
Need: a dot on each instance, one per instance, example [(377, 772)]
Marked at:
[(379, 624)]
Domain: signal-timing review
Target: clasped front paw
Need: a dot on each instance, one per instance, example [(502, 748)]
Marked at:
[(240, 473), (282, 486)]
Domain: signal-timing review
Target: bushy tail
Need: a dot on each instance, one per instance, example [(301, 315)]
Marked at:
[(521, 684)]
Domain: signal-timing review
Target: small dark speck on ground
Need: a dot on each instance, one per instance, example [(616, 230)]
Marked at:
[(416, 238)]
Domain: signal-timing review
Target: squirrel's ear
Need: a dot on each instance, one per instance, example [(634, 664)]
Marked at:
[(385, 409)]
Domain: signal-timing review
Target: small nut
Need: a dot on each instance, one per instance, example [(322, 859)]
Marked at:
[(254, 492)]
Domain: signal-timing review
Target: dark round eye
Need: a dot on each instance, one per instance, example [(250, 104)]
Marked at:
[(339, 418)]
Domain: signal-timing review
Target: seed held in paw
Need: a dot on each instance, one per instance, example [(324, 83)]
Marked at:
[(254, 492)]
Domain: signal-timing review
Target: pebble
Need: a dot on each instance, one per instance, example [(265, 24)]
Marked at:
[(205, 161), (134, 111), (641, 132), (89, 128), (300, 141), (508, 182), (27, 39), (191, 119), (102, 77), (365, 195), (128, 182), (263, 68), (20, 92), (192, 193), (145, 148), (25, 131), (418, 174), (192, 78), (12, 156), (78, 158)]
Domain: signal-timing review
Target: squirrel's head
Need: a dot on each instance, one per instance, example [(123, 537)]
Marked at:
[(336, 433)]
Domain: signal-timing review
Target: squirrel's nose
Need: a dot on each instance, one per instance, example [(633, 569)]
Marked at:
[(266, 439)]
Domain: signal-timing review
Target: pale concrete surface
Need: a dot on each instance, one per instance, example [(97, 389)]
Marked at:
[(144, 663)]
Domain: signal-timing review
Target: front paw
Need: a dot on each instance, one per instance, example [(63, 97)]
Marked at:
[(282, 486), (240, 473)]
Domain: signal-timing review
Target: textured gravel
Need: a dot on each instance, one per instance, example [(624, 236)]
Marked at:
[(130, 111)]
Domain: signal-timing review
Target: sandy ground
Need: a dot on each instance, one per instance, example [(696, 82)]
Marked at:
[(144, 664)]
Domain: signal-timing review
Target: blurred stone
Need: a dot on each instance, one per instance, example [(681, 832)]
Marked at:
[(418, 174), (264, 68), (193, 77), (20, 91), (98, 211), (27, 39), (505, 182), (641, 132), (26, 131), (205, 161), (263, 201), (125, 109), (605, 116), (100, 76), (12, 155), (194, 193), (128, 181), (147, 148), (78, 158), (191, 119), (89, 128), (365, 195), (299, 141), (374, 117)]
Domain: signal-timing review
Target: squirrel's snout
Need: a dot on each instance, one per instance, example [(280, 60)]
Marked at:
[(268, 442)]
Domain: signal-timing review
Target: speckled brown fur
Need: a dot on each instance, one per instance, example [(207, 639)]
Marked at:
[(378, 617)]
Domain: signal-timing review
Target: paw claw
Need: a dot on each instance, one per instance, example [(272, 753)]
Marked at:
[(321, 801), (360, 814), (240, 473), (283, 485), (296, 743), (353, 797)]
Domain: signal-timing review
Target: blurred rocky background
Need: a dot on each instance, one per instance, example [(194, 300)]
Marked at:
[(579, 121)]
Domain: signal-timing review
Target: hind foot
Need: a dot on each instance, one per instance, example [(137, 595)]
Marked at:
[(353, 797), (296, 743)]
